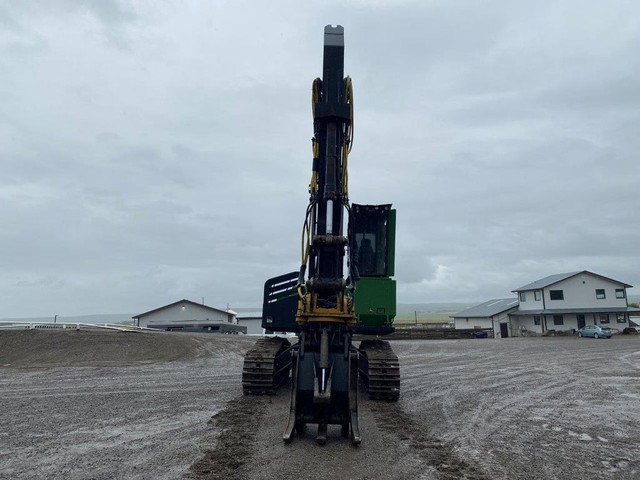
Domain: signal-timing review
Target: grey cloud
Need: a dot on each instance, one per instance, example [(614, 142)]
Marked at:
[(48, 281), (151, 154)]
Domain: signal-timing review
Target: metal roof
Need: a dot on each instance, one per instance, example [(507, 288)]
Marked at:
[(184, 300), (488, 309), (546, 281), (551, 279)]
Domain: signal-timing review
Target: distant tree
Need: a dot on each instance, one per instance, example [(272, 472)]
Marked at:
[(634, 304)]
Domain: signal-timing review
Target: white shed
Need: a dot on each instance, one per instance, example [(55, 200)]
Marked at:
[(493, 314), (189, 316)]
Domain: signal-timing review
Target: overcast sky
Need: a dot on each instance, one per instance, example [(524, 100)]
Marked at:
[(154, 151)]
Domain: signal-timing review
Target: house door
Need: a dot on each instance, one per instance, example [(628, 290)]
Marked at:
[(581, 322), (504, 330)]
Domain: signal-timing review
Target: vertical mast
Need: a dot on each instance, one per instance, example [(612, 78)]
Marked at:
[(331, 117)]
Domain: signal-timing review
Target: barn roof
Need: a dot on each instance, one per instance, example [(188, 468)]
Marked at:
[(488, 309), (551, 279), (184, 300)]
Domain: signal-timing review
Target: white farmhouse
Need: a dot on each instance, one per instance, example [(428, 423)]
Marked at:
[(188, 316), (493, 315), (569, 301)]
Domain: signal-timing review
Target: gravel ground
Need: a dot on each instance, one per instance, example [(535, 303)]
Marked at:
[(129, 414), (531, 408), (527, 408)]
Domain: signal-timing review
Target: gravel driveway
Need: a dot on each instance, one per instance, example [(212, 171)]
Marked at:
[(521, 408)]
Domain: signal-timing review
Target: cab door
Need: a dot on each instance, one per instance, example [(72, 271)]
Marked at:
[(372, 239)]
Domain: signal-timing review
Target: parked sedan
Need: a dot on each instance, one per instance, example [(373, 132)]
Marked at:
[(595, 331)]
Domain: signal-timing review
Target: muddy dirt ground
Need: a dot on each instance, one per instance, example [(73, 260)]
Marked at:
[(102, 405)]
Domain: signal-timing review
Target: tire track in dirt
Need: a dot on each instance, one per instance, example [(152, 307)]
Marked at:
[(237, 426), (428, 448), (249, 446)]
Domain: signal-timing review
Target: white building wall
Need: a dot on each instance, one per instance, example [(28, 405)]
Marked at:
[(594, 319), (569, 322), (530, 302), (580, 292), (473, 322), (525, 324), (183, 313), (254, 325), (497, 320)]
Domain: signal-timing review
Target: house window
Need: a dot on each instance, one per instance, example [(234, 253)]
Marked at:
[(620, 318), (556, 294), (537, 295), (600, 294), (558, 320), (604, 318), (523, 297), (619, 292), (536, 320)]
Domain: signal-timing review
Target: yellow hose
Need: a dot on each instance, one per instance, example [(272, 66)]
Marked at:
[(305, 240), (348, 137)]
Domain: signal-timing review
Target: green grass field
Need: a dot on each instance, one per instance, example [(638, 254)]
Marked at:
[(422, 317)]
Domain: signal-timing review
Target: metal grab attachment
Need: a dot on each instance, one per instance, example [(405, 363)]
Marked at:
[(324, 407)]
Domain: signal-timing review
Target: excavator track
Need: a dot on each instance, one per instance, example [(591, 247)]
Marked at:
[(266, 365), (380, 370)]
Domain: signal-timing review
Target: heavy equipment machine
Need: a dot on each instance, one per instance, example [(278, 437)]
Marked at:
[(322, 305)]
